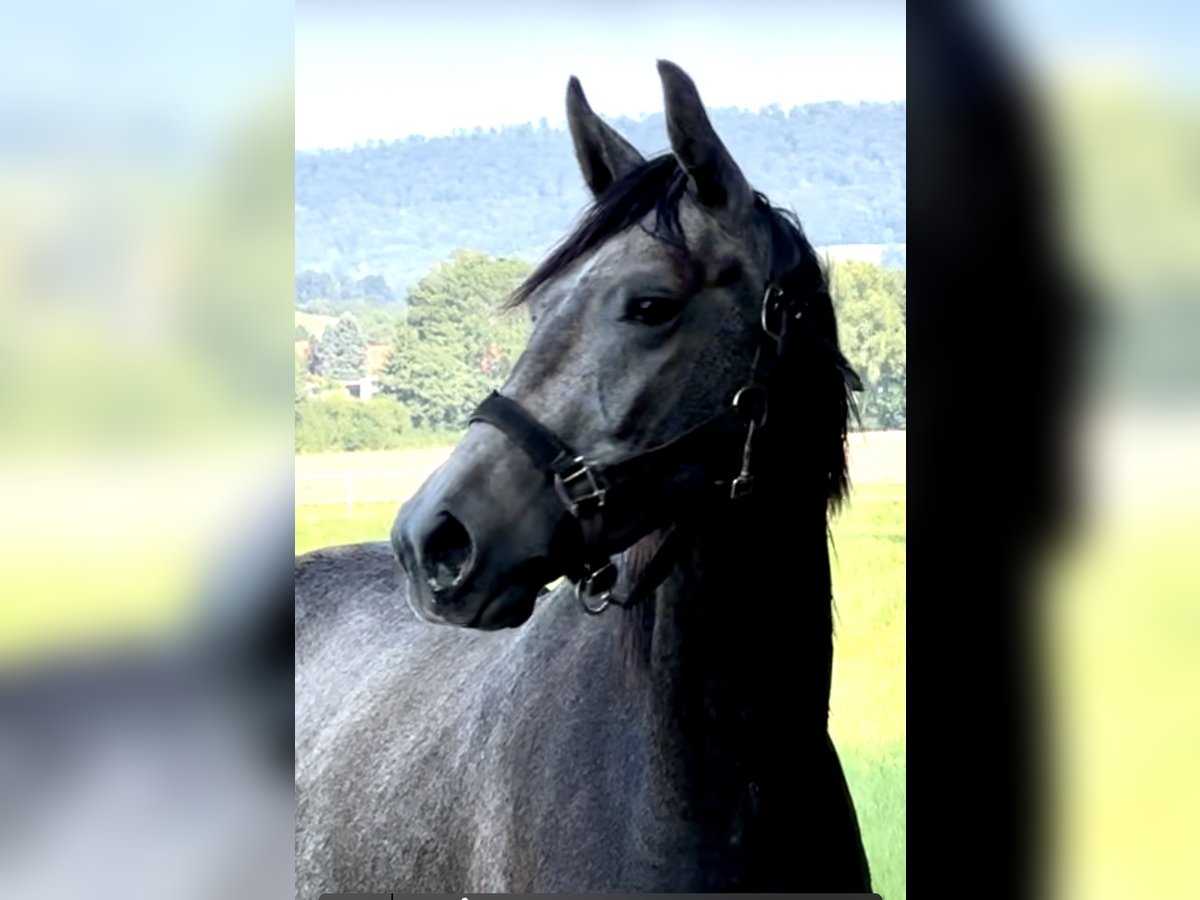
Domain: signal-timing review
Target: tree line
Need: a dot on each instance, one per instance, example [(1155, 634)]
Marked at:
[(452, 343)]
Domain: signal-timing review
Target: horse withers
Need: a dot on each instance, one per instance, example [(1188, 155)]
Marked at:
[(672, 441)]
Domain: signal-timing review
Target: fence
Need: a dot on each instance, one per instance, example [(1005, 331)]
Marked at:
[(351, 487)]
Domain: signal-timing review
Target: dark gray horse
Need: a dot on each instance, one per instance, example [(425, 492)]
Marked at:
[(681, 408)]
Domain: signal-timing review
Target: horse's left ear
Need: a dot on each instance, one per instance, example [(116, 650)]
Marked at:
[(718, 181)]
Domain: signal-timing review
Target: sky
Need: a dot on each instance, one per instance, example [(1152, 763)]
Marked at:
[(133, 77), (383, 71)]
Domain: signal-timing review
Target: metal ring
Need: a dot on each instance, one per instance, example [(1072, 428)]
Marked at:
[(607, 574), (605, 601), (749, 390)]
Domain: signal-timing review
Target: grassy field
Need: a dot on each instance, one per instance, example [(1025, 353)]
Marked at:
[(868, 706)]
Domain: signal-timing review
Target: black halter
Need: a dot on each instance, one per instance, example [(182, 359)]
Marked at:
[(591, 492)]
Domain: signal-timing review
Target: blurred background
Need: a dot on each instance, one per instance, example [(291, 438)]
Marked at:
[(1114, 94), (145, 449)]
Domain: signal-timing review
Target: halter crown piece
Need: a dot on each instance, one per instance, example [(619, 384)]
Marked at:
[(589, 491)]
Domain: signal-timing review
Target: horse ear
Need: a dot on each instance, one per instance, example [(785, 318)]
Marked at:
[(718, 181), (604, 156)]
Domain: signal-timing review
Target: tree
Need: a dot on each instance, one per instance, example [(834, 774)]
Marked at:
[(347, 287), (301, 380), (375, 287), (312, 285), (342, 351), (377, 322), (871, 302), (456, 344), (341, 423)]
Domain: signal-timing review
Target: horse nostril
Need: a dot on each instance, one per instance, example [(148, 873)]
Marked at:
[(447, 553)]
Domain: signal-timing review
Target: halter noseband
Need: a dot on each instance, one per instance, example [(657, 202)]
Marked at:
[(590, 491)]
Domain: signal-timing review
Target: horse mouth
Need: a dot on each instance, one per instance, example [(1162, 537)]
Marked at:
[(506, 610), (513, 603), (507, 605)]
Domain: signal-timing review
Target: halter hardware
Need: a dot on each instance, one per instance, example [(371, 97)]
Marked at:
[(594, 488), (774, 314), (598, 584), (584, 488), (755, 415)]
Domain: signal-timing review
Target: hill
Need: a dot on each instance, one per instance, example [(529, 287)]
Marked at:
[(394, 209)]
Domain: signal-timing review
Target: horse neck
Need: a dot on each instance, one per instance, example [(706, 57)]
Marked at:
[(741, 646)]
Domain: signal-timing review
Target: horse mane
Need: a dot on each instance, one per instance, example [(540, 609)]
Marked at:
[(822, 379), (656, 185), (817, 379)]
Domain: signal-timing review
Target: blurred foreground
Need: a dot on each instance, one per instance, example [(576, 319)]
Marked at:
[(1054, 147), (145, 451)]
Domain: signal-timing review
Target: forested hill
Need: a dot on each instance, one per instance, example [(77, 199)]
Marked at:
[(394, 209)]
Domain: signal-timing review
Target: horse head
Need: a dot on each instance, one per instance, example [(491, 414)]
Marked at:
[(657, 325)]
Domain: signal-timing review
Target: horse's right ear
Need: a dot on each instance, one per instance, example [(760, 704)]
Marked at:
[(604, 156)]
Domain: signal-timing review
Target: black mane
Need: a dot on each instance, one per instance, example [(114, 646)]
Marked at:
[(657, 185), (825, 378)]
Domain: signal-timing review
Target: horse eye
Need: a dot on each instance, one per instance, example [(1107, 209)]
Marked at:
[(653, 310)]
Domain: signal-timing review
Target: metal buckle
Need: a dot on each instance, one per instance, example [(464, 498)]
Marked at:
[(772, 310), (743, 486), (595, 487), (754, 414), (597, 584)]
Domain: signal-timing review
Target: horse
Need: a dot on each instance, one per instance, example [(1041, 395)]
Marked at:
[(669, 447)]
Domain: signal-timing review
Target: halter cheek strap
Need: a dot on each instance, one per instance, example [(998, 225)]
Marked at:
[(616, 492), (597, 496), (577, 483)]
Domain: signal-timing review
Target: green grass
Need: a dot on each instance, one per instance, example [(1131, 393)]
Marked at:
[(878, 783), (328, 524), (868, 718), (868, 704)]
